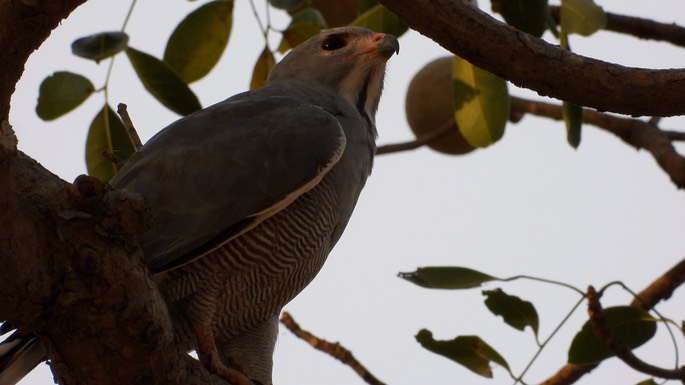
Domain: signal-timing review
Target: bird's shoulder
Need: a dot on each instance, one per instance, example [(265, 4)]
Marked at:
[(222, 170)]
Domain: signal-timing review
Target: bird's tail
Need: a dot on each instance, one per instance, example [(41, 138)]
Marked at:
[(19, 354)]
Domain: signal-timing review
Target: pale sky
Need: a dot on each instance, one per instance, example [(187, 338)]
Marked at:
[(530, 204)]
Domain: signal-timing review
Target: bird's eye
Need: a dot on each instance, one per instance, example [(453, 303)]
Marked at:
[(333, 43)]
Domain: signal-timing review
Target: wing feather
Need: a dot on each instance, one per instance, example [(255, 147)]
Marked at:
[(218, 173)]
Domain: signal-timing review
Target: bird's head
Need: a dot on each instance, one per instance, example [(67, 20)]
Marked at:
[(350, 60)]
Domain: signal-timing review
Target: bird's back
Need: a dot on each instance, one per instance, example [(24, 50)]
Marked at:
[(244, 283), (254, 275)]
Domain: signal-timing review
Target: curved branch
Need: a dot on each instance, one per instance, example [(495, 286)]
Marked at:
[(635, 132), (416, 143), (661, 289), (639, 27), (603, 331), (335, 350), (533, 63)]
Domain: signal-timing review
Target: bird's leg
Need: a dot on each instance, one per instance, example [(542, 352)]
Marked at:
[(209, 356)]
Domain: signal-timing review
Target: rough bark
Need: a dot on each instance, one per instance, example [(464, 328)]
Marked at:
[(73, 275), (72, 272), (532, 63)]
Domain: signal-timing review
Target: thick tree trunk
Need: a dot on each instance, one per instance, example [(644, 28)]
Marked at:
[(72, 272), (74, 276)]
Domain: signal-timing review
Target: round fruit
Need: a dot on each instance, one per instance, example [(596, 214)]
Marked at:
[(429, 107)]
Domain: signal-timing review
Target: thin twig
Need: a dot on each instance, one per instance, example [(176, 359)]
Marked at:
[(128, 124), (674, 135), (639, 27), (601, 326), (264, 30), (549, 338), (118, 163), (418, 142), (333, 349), (128, 15)]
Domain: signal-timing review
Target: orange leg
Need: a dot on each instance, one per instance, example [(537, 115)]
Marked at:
[(209, 356)]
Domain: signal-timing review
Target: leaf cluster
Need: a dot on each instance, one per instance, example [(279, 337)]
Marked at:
[(630, 325), (193, 49)]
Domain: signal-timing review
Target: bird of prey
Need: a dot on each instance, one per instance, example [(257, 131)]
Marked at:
[(249, 196)]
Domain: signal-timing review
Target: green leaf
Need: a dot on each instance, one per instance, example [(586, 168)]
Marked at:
[(481, 102), (647, 382), (583, 17), (447, 277), (573, 117), (62, 92), (303, 25), (516, 312), (163, 83), (286, 4), (469, 351), (262, 67), (100, 45), (380, 19), (527, 15), (106, 133), (198, 42), (631, 325)]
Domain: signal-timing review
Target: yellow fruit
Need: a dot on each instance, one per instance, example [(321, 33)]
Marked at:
[(429, 107)]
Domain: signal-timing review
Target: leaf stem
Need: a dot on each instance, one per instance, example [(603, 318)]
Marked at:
[(128, 15), (111, 61), (549, 338), (665, 320), (566, 285), (264, 30)]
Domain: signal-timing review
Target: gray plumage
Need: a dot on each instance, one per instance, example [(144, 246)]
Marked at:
[(249, 196)]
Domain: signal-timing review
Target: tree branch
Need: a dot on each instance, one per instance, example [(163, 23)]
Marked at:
[(637, 133), (25, 25), (69, 255), (416, 143), (639, 27), (333, 349), (661, 289), (532, 63), (601, 327), (73, 275), (122, 110)]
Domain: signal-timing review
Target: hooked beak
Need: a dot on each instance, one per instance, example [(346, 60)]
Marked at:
[(387, 44), (379, 45)]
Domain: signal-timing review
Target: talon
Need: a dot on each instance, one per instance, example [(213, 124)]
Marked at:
[(209, 356)]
